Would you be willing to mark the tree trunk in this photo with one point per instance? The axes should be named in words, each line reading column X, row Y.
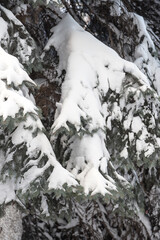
column 11, row 223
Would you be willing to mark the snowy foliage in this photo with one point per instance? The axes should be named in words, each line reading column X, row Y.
column 28, row 162
column 87, row 110
column 104, row 97
column 139, row 49
column 102, row 179
column 16, row 40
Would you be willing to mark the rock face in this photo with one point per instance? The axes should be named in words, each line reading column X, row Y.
column 11, row 223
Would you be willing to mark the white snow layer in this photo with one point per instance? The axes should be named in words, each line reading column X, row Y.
column 12, row 102
column 11, row 70
column 24, row 49
column 145, row 53
column 91, row 69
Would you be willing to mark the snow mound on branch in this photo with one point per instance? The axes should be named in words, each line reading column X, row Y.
column 12, row 76
column 92, row 69
column 90, row 66
column 143, row 51
column 15, row 39
column 11, row 70
column 145, row 54
column 24, row 136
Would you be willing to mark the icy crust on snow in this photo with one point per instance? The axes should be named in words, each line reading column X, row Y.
column 25, row 45
column 27, row 131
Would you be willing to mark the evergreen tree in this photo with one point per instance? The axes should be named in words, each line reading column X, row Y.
column 101, row 111
column 103, row 93
column 28, row 164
